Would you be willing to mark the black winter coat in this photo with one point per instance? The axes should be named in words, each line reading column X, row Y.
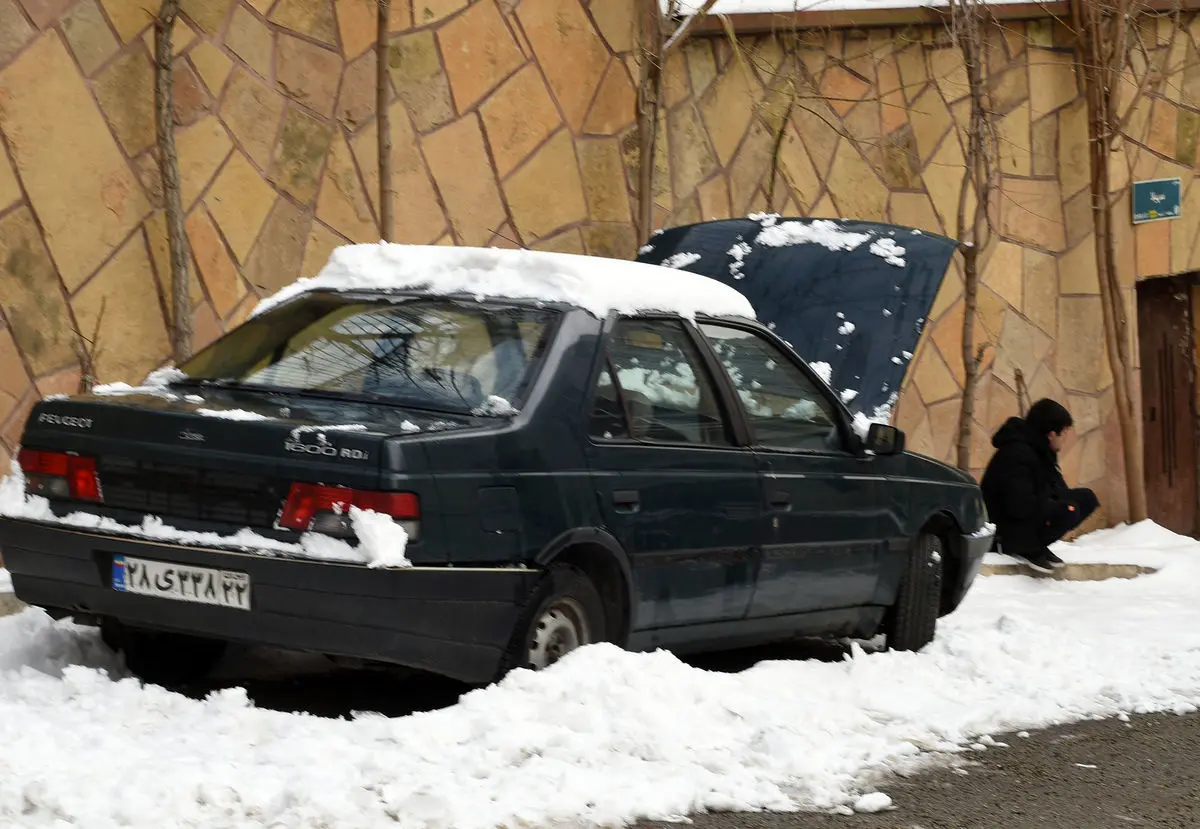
column 1023, row 486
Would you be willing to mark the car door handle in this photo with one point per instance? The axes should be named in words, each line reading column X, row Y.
column 781, row 500
column 627, row 500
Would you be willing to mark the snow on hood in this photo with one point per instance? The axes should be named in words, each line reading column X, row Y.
column 597, row 285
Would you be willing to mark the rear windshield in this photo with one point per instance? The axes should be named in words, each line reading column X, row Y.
column 435, row 354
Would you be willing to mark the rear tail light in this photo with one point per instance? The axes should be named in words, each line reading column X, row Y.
column 326, row 509
column 60, row 475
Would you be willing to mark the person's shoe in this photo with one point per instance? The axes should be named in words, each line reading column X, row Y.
column 1054, row 560
column 1042, row 561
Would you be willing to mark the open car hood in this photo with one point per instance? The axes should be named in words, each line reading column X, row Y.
column 853, row 295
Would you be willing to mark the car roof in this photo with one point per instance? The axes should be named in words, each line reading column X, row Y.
column 595, row 284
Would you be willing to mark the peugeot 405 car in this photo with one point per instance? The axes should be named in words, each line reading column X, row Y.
column 467, row 461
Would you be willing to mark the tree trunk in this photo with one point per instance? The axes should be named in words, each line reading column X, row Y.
column 650, row 89
column 383, row 123
column 1101, row 55
column 971, row 360
column 168, row 165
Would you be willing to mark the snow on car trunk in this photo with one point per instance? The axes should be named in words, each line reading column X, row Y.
column 603, row 736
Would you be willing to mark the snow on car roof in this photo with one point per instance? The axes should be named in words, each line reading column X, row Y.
column 595, row 284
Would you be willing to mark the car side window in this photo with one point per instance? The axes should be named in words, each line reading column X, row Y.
column 662, row 389
column 785, row 409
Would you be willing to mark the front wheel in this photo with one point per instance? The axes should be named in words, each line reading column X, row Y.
column 912, row 620
column 160, row 658
column 564, row 612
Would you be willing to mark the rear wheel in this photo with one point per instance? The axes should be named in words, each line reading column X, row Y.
column 160, row 658
column 912, row 620
column 564, row 612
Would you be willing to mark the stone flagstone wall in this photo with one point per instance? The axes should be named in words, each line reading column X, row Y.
column 513, row 123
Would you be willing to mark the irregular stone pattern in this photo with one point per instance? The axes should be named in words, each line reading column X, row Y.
column 514, row 122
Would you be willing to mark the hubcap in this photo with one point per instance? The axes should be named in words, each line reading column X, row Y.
column 560, row 629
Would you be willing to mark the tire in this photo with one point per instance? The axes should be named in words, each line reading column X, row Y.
column 564, row 612
column 168, row 659
column 912, row 620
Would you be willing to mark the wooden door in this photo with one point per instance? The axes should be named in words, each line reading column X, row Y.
column 1168, row 402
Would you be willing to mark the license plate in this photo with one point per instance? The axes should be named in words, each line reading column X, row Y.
column 204, row 585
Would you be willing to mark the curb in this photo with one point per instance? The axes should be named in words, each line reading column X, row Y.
column 1071, row 572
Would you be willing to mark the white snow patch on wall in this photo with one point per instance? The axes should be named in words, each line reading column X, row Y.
column 598, row 285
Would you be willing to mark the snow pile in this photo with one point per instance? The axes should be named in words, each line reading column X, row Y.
column 14, row 503
column 382, row 538
column 598, row 285
column 156, row 382
column 1144, row 543
column 5, row 581
column 680, row 260
column 604, row 736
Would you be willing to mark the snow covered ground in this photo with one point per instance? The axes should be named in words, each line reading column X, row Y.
column 604, row 736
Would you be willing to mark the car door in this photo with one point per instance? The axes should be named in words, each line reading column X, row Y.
column 674, row 488
column 823, row 503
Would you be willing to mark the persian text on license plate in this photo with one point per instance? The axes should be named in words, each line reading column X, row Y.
column 181, row 582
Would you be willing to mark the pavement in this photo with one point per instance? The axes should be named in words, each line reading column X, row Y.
column 1095, row 775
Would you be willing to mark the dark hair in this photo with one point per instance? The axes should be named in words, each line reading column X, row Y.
column 1046, row 416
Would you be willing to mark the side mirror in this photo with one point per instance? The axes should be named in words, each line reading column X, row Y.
column 884, row 440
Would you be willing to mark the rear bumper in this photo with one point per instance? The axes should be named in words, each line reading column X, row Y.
column 451, row 621
column 974, row 547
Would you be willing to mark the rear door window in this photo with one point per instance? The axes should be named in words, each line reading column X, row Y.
column 655, row 388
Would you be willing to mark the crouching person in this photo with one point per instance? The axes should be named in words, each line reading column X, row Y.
column 1023, row 487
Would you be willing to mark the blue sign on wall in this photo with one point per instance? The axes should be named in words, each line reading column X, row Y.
column 1156, row 200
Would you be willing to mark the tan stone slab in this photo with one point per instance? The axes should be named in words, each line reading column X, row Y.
column 209, row 15
column 133, row 335
column 75, row 178
column 603, row 175
column 459, row 163
column 309, row 74
column 701, row 63
column 1084, row 366
column 14, row 379
column 1052, row 81
column 1032, row 213
column 216, row 267
column 357, row 24
column 212, row 64
column 155, row 229
column 202, row 148
column 125, row 91
column 618, row 25
column 569, row 241
column 1074, row 571
column 205, row 326
column 693, row 157
column 252, row 111
column 356, row 99
column 933, row 379
column 615, row 106
column 45, row 13
column 341, row 202
column 714, row 198
column 1041, row 290
column 614, row 240
column 570, row 51
column 914, row 210
column 64, row 381
column 518, row 117
column 239, row 202
column 304, row 142
column 321, row 243
column 15, row 30
column 130, row 17
column 857, row 190
column 1153, row 249
column 1077, row 273
column 314, row 18
column 419, row 218
column 426, row 12
column 749, row 168
column 546, row 193
column 416, row 70
column 249, row 38
column 279, row 252
column 10, row 188
column 1014, row 138
column 88, row 35
column 728, row 108
column 478, row 52
column 1074, row 164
